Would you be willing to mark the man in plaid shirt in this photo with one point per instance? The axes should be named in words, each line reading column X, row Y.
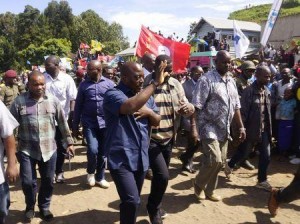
column 38, row 113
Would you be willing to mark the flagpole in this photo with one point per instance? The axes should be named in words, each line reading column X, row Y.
column 276, row 4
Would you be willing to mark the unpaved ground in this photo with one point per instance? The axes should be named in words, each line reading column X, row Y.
column 75, row 203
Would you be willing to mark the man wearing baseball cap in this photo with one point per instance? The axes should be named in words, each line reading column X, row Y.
column 11, row 89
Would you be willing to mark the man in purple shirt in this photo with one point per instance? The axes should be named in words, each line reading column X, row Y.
column 89, row 110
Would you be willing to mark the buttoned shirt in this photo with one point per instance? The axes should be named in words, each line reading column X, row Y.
column 127, row 138
column 64, row 88
column 216, row 99
column 36, row 135
column 7, row 125
column 89, row 103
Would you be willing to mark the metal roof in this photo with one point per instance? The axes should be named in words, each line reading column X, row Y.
column 127, row 52
column 219, row 23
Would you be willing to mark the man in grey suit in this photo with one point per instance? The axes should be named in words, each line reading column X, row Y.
column 187, row 157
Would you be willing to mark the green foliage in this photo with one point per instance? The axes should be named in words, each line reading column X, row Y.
column 35, row 54
column 260, row 13
column 32, row 34
column 7, row 55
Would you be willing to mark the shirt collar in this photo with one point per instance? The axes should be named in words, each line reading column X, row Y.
column 58, row 77
column 28, row 96
column 125, row 89
column 102, row 78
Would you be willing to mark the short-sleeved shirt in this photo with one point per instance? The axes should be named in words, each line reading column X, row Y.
column 127, row 139
column 7, row 125
column 64, row 88
column 36, row 134
column 216, row 99
column 89, row 103
column 286, row 109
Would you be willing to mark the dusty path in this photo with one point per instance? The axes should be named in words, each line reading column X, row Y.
column 75, row 203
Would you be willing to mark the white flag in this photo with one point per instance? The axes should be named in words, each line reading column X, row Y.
column 241, row 42
column 271, row 21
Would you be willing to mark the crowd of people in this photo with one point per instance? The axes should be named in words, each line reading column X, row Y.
column 130, row 117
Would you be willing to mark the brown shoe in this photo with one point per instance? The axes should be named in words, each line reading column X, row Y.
column 273, row 204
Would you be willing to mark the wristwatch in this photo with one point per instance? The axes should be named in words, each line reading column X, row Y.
column 156, row 84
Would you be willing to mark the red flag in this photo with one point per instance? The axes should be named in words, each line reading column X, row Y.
column 155, row 44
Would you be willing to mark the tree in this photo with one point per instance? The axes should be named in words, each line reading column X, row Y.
column 7, row 55
column 192, row 26
column 60, row 18
column 31, row 28
column 7, row 25
column 35, row 54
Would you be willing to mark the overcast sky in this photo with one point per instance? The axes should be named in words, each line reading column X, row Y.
column 167, row 16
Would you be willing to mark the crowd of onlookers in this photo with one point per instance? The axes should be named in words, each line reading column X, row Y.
column 92, row 79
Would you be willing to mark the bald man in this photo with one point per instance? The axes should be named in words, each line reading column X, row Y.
column 63, row 87
column 148, row 61
column 130, row 112
column 217, row 103
column 256, row 115
column 89, row 111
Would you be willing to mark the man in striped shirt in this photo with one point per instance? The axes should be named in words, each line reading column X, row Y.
column 172, row 103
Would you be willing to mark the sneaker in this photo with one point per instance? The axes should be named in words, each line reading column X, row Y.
column 273, row 204
column 90, row 180
column 214, row 197
column 228, row 171
column 29, row 215
column 5, row 159
column 163, row 213
column 295, row 161
column 264, row 185
column 103, row 184
column 46, row 215
column 60, row 178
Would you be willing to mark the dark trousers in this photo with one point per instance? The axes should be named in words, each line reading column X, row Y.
column 4, row 201
column 61, row 152
column 246, row 148
column 129, row 185
column 159, row 158
column 191, row 149
column 95, row 139
column 291, row 192
column 29, row 180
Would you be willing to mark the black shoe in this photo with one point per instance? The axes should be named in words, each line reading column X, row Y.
column 155, row 218
column 46, row 215
column 29, row 215
column 188, row 166
column 247, row 165
column 149, row 174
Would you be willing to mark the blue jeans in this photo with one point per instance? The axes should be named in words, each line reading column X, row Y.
column 129, row 185
column 29, row 180
column 96, row 156
column 4, row 201
column 159, row 158
column 244, row 149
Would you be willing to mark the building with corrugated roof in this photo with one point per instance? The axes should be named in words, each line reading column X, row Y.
column 223, row 28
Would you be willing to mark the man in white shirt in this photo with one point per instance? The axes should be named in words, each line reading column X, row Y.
column 7, row 125
column 63, row 87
